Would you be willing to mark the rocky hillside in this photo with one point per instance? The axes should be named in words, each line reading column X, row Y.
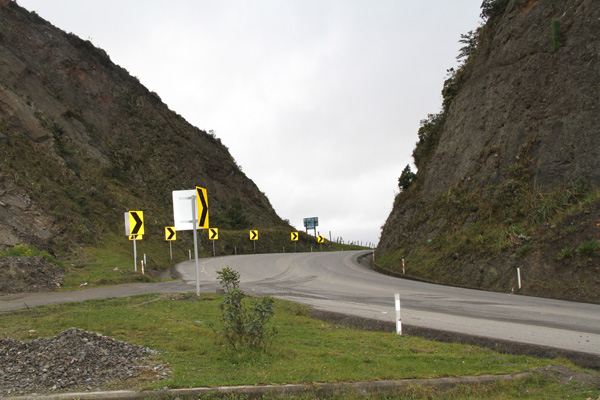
column 82, row 141
column 509, row 171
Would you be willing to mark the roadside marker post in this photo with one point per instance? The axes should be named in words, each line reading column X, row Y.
column 519, row 276
column 294, row 237
column 403, row 270
column 398, row 317
column 135, row 238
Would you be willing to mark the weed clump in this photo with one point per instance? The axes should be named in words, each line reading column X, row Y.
column 243, row 327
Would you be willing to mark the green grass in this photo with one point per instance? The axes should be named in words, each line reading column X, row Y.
column 108, row 264
column 304, row 350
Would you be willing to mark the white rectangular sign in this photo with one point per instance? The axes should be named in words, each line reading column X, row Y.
column 183, row 201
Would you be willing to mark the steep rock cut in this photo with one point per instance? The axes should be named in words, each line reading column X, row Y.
column 512, row 180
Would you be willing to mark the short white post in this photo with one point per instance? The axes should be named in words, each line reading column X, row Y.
column 143, row 262
column 190, row 251
column 398, row 318
column 403, row 270
column 519, row 276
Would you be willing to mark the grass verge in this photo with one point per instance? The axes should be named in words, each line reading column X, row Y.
column 305, row 350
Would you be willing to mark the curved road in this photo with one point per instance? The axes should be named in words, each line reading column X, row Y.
column 337, row 282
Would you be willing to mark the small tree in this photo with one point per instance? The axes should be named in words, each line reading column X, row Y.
column 470, row 40
column 243, row 327
column 491, row 9
column 406, row 178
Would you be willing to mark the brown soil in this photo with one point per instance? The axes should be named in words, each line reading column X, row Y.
column 28, row 274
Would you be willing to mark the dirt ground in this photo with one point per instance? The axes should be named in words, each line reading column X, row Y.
column 28, row 274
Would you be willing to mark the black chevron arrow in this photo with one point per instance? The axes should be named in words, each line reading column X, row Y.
column 171, row 233
column 294, row 236
column 204, row 213
column 254, row 234
column 138, row 223
column 213, row 233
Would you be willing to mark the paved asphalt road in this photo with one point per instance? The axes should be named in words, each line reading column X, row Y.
column 336, row 282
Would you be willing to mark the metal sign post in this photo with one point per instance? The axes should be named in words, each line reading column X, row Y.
column 183, row 210
column 134, row 255
column 194, row 220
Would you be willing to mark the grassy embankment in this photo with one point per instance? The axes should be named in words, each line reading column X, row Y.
column 303, row 350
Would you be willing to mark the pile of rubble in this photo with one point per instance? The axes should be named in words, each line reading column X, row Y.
column 75, row 360
column 28, row 274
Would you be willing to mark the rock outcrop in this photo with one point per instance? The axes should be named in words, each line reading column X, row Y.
column 509, row 172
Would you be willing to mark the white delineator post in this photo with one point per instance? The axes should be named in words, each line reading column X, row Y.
column 398, row 318
column 519, row 276
column 403, row 270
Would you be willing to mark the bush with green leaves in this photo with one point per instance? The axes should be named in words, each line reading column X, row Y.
column 407, row 177
column 244, row 327
column 25, row 250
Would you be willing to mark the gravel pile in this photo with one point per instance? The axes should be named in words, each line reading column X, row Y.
column 75, row 360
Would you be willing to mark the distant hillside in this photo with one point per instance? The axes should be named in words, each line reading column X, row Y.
column 509, row 171
column 82, row 141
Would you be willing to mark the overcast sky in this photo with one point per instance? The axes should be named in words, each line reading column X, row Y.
column 319, row 101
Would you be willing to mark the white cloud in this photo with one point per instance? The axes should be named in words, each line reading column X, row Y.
column 318, row 100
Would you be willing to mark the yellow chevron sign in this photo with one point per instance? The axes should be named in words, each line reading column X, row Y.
column 213, row 234
column 321, row 239
column 294, row 236
column 202, row 203
column 254, row 235
column 134, row 223
column 170, row 233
